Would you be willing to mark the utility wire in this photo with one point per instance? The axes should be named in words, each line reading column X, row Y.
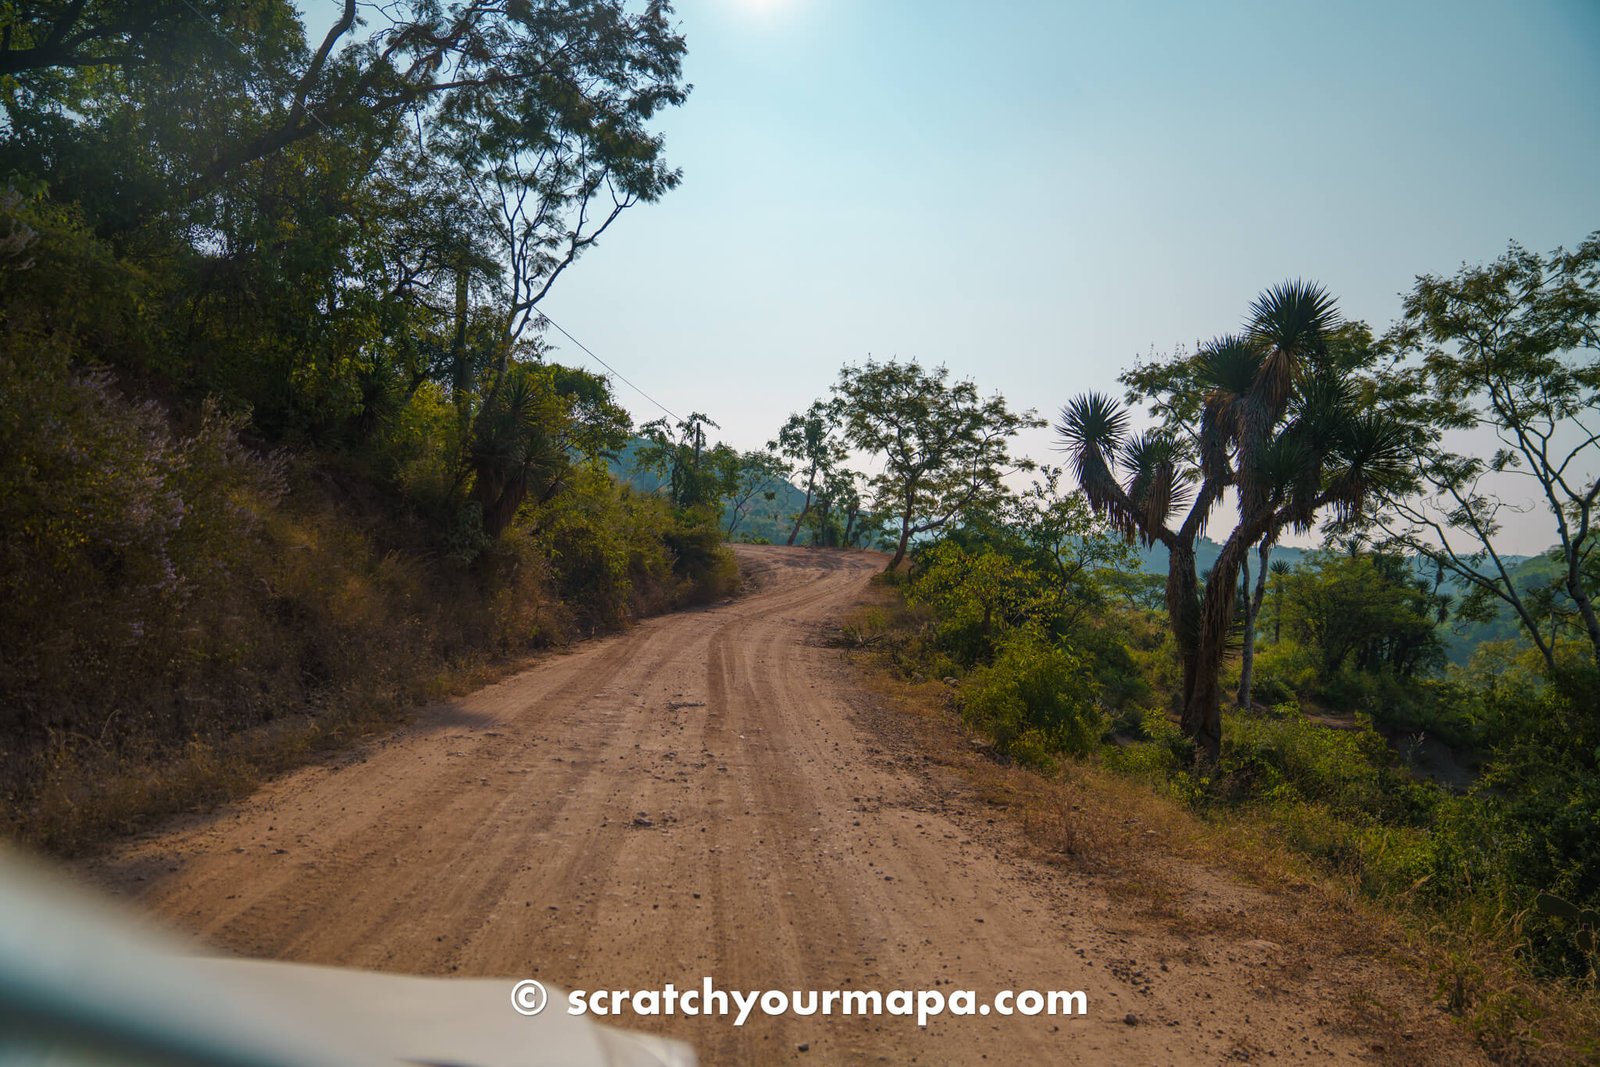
column 609, row 367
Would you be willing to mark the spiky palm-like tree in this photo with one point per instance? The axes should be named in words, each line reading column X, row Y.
column 1279, row 569
column 1252, row 611
column 1266, row 413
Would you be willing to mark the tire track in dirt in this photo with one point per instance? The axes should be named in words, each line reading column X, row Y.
column 705, row 796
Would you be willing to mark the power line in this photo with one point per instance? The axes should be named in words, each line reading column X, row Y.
column 609, row 367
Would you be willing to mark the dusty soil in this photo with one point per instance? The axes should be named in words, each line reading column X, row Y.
column 716, row 793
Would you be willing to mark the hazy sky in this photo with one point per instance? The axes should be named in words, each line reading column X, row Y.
column 1036, row 193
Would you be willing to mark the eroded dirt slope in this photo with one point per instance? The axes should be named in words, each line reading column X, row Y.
column 711, row 794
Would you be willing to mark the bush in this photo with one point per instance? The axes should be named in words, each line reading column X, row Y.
column 1032, row 701
column 1531, row 824
column 167, row 593
column 125, row 548
column 1157, row 752
column 1283, row 756
column 976, row 597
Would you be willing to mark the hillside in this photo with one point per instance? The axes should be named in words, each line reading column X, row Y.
column 763, row 520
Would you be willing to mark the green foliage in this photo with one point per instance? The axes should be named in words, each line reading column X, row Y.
column 1362, row 609
column 759, row 477
column 530, row 431
column 944, row 448
column 977, row 597
column 1284, row 756
column 1509, row 346
column 808, row 442
column 696, row 473
column 1155, row 751
column 1287, row 422
column 316, row 235
column 1033, row 701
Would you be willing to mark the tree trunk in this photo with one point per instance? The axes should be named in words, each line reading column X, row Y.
column 820, row 537
column 1203, row 709
column 1252, row 610
column 900, row 549
column 1183, row 614
column 499, row 497
column 800, row 518
column 1580, row 597
column 1203, row 714
column 460, row 365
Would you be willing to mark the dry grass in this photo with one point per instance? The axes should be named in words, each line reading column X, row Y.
column 1419, row 987
column 328, row 639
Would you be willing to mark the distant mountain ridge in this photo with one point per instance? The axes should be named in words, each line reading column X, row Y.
column 771, row 520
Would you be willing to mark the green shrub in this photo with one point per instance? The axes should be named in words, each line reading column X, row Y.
column 1156, row 752
column 1283, row 756
column 1033, row 701
column 976, row 598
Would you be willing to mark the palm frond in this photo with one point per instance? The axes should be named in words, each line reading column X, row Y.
column 1092, row 419
column 1285, row 463
column 1375, row 452
column 1229, row 364
column 1227, row 367
column 1091, row 427
column 1156, row 486
column 1294, row 315
column 1322, row 408
column 1290, row 321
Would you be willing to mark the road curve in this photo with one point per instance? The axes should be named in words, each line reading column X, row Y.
column 702, row 795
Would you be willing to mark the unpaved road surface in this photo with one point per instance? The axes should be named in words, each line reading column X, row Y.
column 711, row 794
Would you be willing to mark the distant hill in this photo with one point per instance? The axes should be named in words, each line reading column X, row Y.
column 1460, row 640
column 1527, row 573
column 769, row 520
column 1153, row 560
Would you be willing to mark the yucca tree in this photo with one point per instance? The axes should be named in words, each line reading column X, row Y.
column 1275, row 413
column 1279, row 570
column 1252, row 611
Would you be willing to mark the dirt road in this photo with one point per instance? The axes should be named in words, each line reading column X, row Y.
column 711, row 794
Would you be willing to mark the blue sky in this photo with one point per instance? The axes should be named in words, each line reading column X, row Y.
column 1037, row 193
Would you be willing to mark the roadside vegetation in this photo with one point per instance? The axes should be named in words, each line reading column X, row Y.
column 283, row 450
column 280, row 445
column 1314, row 704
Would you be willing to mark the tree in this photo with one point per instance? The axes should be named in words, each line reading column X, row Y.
column 336, row 224
column 698, row 474
column 1279, row 570
column 535, row 71
column 1510, row 348
column 757, row 474
column 1065, row 543
column 945, row 449
column 833, row 514
column 843, row 491
column 1363, row 609
column 1252, row 611
column 809, row 441
column 528, row 437
column 1284, row 415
